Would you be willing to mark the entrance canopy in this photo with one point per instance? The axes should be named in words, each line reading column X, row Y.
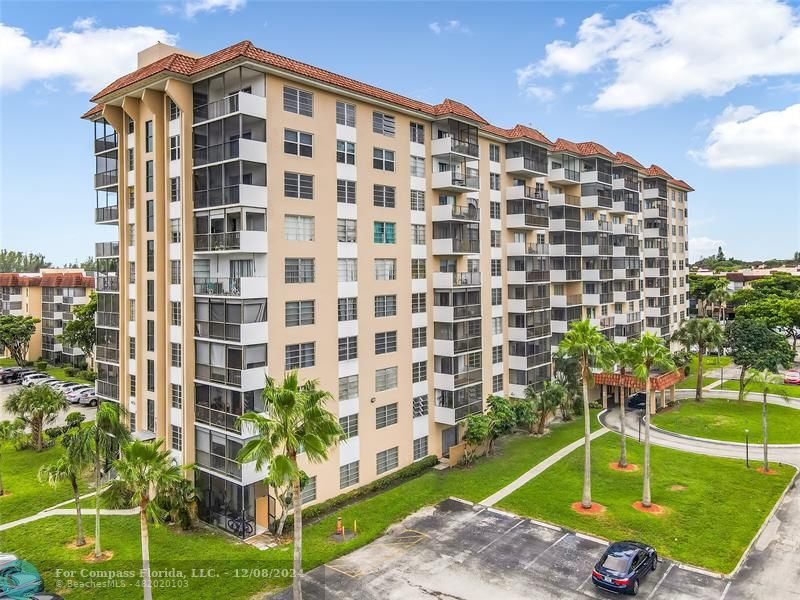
column 658, row 382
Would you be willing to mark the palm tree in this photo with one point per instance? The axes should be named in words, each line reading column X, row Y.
column 650, row 352
column 719, row 298
column 543, row 403
column 767, row 381
column 703, row 333
column 37, row 406
column 585, row 342
column 295, row 420
column 626, row 359
column 9, row 432
column 144, row 470
column 103, row 439
column 567, row 372
column 70, row 466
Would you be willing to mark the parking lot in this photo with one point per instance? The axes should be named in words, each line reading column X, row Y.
column 7, row 389
column 460, row 551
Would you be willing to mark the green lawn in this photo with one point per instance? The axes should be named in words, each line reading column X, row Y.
column 43, row 542
column 691, row 382
column 57, row 372
column 26, row 496
column 711, row 362
column 792, row 391
column 710, row 518
column 721, row 419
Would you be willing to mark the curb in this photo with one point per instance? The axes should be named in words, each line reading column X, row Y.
column 721, row 442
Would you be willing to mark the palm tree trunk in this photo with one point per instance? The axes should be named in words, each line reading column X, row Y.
column 646, row 485
column 1, row 482
column 297, row 590
column 623, row 448
column 36, row 432
column 764, row 428
column 80, row 541
column 145, row 535
column 698, row 392
column 741, row 383
column 586, row 501
column 97, row 504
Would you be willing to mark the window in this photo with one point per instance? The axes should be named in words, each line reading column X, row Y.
column 131, row 200
column 131, row 272
column 419, row 371
column 132, row 421
column 174, row 111
column 177, row 437
column 420, row 447
column 383, row 159
column 349, row 425
column 345, row 191
column 298, row 185
column 131, row 309
column 309, row 491
column 419, row 405
column 497, row 354
column 497, row 296
column 386, row 460
column 419, row 337
column 494, row 181
column 497, row 267
column 148, row 176
column 386, row 305
column 151, row 375
column 175, row 352
column 383, row 232
column 151, row 295
column 383, row 123
column 385, row 269
column 345, row 114
column 131, row 158
column 497, row 383
column 130, row 126
column 383, row 195
column 298, row 143
column 132, row 384
column 299, row 270
column 494, row 210
column 418, row 269
column 175, row 189
column 132, row 347
column 176, row 313
column 298, row 101
column 346, row 230
column 348, row 348
column 497, row 325
column 386, row 416
column 299, row 312
column 148, row 136
column 176, row 395
column 385, row 379
column 175, row 147
column 347, row 269
column 150, row 222
column 494, row 239
column 417, row 133
column 418, row 302
column 385, row 342
column 300, row 356
column 299, row 228
column 348, row 387
column 417, row 166
column 418, row 234
column 348, row 475
column 417, row 200
column 151, row 415
column 175, row 230
column 175, row 271
column 494, row 153
column 345, row 152
column 348, row 309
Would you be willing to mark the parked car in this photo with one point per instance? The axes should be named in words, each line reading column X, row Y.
column 15, row 374
column 791, row 377
column 36, row 379
column 65, row 387
column 19, row 579
column 4, row 558
column 75, row 396
column 623, row 565
column 636, row 401
column 89, row 399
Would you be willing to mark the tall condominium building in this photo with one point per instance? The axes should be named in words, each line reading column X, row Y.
column 271, row 216
column 48, row 295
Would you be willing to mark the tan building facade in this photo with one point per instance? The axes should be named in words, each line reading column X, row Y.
column 413, row 258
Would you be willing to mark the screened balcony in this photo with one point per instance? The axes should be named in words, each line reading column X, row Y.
column 238, row 90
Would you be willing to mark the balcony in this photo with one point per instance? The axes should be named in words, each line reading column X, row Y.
column 655, row 232
column 106, row 250
column 533, row 332
column 565, row 301
column 625, row 183
column 107, row 389
column 603, row 322
column 595, row 226
column 625, row 206
column 625, row 229
column 107, row 319
column 236, row 287
column 656, row 271
column 456, row 280
column 242, row 194
column 456, row 346
column 523, row 363
column 455, row 212
column 522, row 305
column 107, row 283
column 449, row 411
column 241, row 378
column 239, row 149
column 596, row 201
column 451, row 246
column 564, row 275
column 445, row 381
column 526, row 213
column 456, row 181
column 652, row 192
column 449, row 314
column 523, row 277
column 563, row 175
column 595, row 177
column 451, row 145
column 655, row 292
column 525, row 249
column 106, row 354
column 240, row 102
column 564, row 200
column 105, row 143
column 105, row 179
column 597, row 250
column 653, row 252
column 655, row 212
column 106, row 215
column 526, row 167
column 232, row 241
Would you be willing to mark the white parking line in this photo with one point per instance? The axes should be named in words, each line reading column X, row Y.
column 585, row 581
column 546, row 525
column 590, row 538
column 700, row 571
column 520, row 522
column 660, row 581
column 725, row 591
column 544, row 551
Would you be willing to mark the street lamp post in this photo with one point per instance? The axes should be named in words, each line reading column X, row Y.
column 747, row 447
column 640, row 429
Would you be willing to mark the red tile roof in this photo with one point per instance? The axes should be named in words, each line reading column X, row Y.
column 628, row 160
column 76, row 280
column 97, row 108
column 656, row 171
column 680, row 183
column 452, row 107
column 593, row 149
column 563, row 145
column 657, row 382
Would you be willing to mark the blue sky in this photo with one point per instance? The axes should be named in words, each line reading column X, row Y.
column 709, row 91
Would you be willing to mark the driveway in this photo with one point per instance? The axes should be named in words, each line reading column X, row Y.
column 7, row 389
column 460, row 551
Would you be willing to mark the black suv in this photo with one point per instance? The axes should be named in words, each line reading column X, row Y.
column 623, row 565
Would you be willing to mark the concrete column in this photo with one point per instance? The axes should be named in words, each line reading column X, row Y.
column 603, row 395
column 672, row 393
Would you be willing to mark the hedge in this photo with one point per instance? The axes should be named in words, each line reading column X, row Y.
column 324, row 508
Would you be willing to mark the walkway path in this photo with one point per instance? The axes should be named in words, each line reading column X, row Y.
column 56, row 511
column 537, row 470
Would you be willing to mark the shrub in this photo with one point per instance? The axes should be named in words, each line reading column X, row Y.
column 87, row 375
column 40, row 365
column 55, row 432
column 75, row 418
column 323, row 508
column 70, row 371
column 83, row 366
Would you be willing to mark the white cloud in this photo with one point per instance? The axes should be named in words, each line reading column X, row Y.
column 193, row 7
column 670, row 52
column 541, row 93
column 560, row 21
column 452, row 26
column 88, row 56
column 743, row 137
column 703, row 246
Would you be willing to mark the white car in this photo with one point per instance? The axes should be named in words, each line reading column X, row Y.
column 36, row 379
column 68, row 386
column 74, row 397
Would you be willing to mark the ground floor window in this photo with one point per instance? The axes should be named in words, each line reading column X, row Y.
column 225, row 504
